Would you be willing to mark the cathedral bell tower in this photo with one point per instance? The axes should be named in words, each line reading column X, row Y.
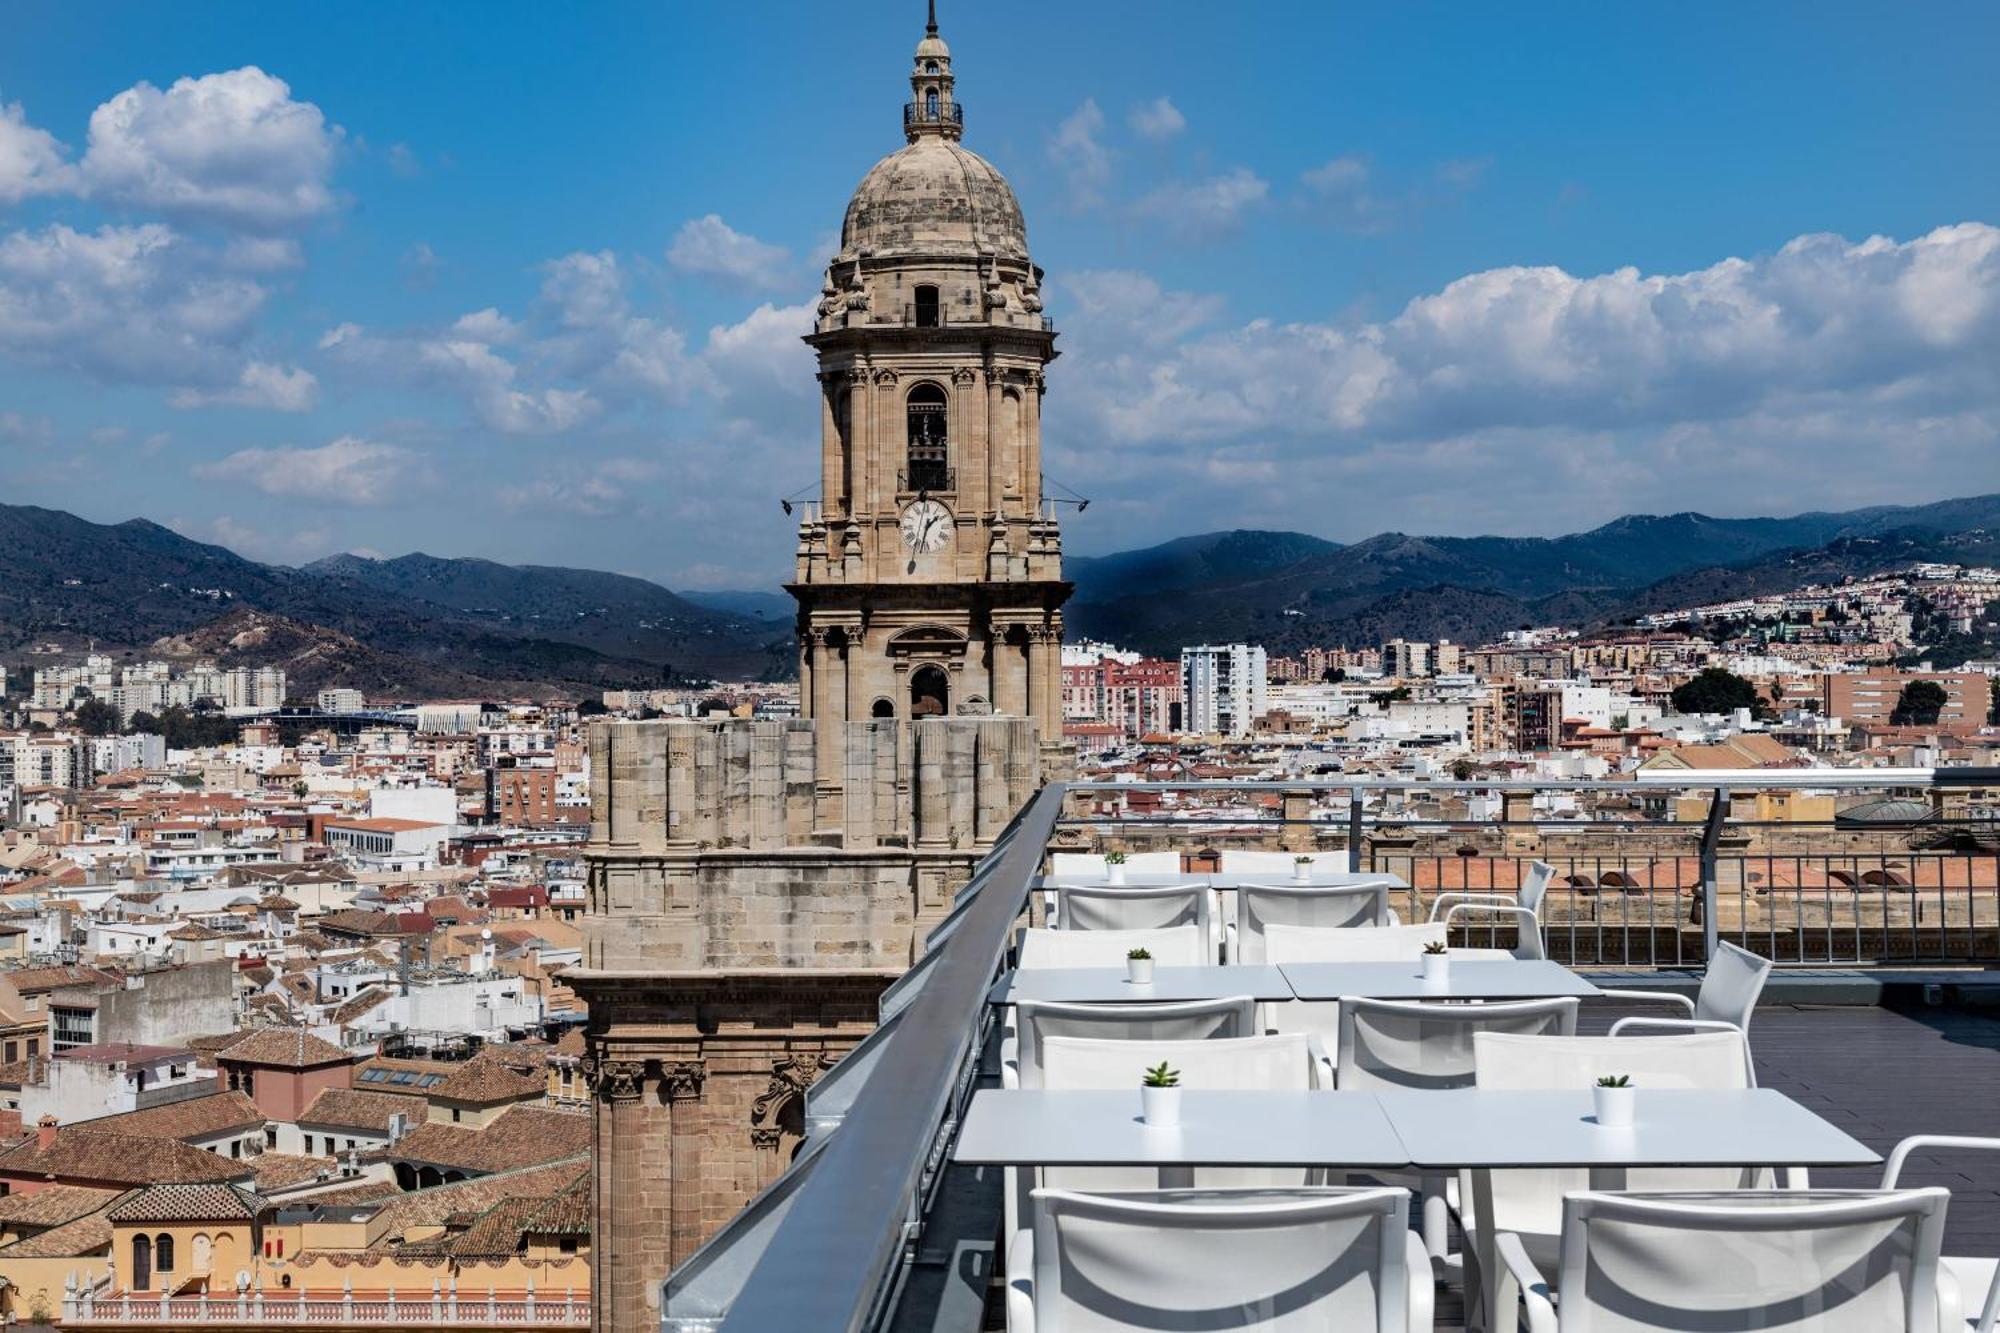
column 929, row 574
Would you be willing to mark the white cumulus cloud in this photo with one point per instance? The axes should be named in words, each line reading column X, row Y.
column 711, row 247
column 1158, row 120
column 260, row 385
column 348, row 470
column 232, row 148
column 1213, row 206
column 31, row 161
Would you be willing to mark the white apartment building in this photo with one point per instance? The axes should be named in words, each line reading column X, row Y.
column 253, row 689
column 341, row 701
column 1222, row 687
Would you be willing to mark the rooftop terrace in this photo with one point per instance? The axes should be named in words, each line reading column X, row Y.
column 1875, row 1020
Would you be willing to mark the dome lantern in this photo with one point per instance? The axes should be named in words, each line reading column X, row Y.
column 931, row 109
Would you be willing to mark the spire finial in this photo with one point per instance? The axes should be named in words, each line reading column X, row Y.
column 930, row 28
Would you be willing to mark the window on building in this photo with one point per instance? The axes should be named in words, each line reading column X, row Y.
column 236, row 1148
column 13, row 1051
column 927, row 307
column 270, row 1137
column 163, row 1252
column 928, row 447
column 454, row 1115
column 931, row 104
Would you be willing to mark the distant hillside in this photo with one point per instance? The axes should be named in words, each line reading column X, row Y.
column 777, row 606
column 123, row 586
column 1470, row 588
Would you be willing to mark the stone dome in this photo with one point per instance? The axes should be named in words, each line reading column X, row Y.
column 934, row 198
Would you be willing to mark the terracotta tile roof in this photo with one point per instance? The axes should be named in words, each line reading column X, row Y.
column 351, row 1108
column 195, row 1118
column 429, row 1208
column 186, row 1203
column 520, row 1136
column 87, row 1235
column 365, row 1191
column 504, row 1228
column 33, row 980
column 281, row 1170
column 53, row 1206
column 371, row 998
column 82, row 1153
column 284, row 1048
column 487, row 1083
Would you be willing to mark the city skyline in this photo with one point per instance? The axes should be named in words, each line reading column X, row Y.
column 546, row 309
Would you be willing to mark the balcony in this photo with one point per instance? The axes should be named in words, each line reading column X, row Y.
column 915, row 113
column 1869, row 1024
column 258, row 1309
column 922, row 476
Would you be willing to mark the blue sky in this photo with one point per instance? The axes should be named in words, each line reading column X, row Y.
column 525, row 281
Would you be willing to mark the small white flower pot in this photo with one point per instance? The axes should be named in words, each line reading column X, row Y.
column 1160, row 1107
column 1139, row 971
column 1114, row 873
column 1614, row 1107
column 1437, row 969
column 1302, row 872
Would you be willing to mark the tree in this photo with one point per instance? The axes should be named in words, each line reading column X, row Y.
column 1333, row 675
column 94, row 717
column 1461, row 770
column 1919, row 704
column 591, row 708
column 1717, row 690
column 1993, row 709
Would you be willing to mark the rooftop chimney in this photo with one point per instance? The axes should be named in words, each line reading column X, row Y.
column 45, row 1133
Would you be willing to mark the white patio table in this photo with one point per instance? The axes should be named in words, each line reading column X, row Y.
column 1219, row 1127
column 1487, row 1130
column 1467, row 978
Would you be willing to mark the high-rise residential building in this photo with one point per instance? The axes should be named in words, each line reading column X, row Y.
column 253, row 689
column 1222, row 687
column 929, row 573
column 1404, row 658
column 341, row 701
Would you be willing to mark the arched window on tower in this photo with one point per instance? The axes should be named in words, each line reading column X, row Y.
column 931, row 104
column 926, row 468
column 930, row 692
column 927, row 307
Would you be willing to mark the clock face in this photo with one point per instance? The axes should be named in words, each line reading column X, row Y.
column 926, row 527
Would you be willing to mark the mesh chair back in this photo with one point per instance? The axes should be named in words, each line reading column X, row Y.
column 1535, row 885
column 1332, row 944
column 1195, row 1260
column 1730, row 987
column 1197, row 1020
column 1242, row 1062
column 1826, row 1260
column 1531, row 1201
column 1132, row 909
column 1171, row 946
column 1409, row 1044
column 1281, row 1061
column 1261, row 905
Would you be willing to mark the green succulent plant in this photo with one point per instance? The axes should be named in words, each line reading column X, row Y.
column 1615, row 1081
column 1159, row 1076
column 1435, row 948
column 1140, row 955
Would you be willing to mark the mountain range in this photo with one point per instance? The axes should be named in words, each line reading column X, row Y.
column 420, row 626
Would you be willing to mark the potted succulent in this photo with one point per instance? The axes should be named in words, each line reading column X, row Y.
column 1302, row 869
column 1160, row 1096
column 1139, row 967
column 1114, row 867
column 1436, row 963
column 1612, row 1098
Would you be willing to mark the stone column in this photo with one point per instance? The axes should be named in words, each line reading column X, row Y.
column 1039, row 707
column 622, row 741
column 680, row 1086
column 618, row 1268
column 933, row 809
column 996, row 443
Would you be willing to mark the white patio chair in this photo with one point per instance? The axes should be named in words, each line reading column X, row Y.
column 1828, row 1261
column 1035, row 1022
column 1976, row 1278
column 1727, row 999
column 1193, row 1020
column 1365, row 903
column 1413, row 1044
column 1524, row 905
column 1528, row 1204
column 1148, row 908
column 1171, row 946
column 1196, row 1260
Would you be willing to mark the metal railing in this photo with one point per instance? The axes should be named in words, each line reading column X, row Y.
column 926, row 477
column 270, row 1310
column 916, row 113
column 827, row 1244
